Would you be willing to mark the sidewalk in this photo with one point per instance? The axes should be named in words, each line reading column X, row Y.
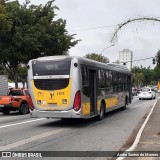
column 150, row 138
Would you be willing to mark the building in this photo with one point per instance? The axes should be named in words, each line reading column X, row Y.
column 125, row 57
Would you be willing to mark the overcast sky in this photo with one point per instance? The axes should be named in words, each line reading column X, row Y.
column 141, row 38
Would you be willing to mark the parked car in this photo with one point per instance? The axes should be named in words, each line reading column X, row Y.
column 138, row 91
column 155, row 89
column 17, row 99
column 147, row 93
column 134, row 92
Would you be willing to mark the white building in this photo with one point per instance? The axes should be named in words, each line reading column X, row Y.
column 126, row 56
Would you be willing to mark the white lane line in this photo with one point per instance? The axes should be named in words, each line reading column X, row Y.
column 14, row 124
column 8, row 117
column 140, row 105
column 31, row 139
column 135, row 143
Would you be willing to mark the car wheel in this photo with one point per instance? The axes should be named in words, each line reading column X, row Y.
column 24, row 108
column 5, row 110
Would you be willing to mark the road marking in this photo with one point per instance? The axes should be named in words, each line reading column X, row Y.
column 141, row 104
column 14, row 124
column 136, row 141
column 8, row 117
column 30, row 139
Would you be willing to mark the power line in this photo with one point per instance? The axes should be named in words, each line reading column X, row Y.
column 87, row 29
column 142, row 59
column 106, row 48
column 139, row 59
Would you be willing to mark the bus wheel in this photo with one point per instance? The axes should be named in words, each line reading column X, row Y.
column 5, row 110
column 24, row 108
column 102, row 112
column 125, row 106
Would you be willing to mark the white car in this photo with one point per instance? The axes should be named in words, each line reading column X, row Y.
column 147, row 93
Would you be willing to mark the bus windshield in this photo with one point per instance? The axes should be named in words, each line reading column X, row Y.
column 44, row 68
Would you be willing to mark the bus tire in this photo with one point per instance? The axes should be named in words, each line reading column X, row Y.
column 102, row 112
column 24, row 108
column 5, row 111
column 126, row 103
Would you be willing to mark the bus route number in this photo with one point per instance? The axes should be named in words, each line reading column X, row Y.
column 60, row 93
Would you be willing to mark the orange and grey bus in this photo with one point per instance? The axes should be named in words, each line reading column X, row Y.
column 76, row 87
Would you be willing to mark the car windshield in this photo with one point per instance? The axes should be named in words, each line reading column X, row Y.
column 145, row 89
column 16, row 93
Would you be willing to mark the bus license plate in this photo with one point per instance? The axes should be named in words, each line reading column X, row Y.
column 52, row 104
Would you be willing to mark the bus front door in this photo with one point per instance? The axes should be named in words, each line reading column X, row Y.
column 93, row 91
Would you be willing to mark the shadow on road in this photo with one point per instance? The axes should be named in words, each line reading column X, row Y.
column 77, row 123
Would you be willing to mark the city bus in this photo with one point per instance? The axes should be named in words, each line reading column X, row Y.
column 77, row 87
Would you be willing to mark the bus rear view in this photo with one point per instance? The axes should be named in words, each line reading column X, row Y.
column 52, row 88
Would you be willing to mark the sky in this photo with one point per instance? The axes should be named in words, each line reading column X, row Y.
column 142, row 38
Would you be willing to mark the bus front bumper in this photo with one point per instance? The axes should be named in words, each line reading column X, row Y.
column 55, row 114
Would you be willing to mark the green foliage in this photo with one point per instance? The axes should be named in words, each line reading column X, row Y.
column 139, row 79
column 22, row 72
column 33, row 33
column 157, row 72
column 97, row 57
column 5, row 23
column 2, row 70
column 145, row 76
column 158, row 58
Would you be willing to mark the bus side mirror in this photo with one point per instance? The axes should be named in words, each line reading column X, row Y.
column 28, row 67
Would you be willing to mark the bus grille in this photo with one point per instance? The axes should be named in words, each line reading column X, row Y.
column 51, row 84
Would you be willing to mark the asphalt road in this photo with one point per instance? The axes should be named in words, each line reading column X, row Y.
column 22, row 133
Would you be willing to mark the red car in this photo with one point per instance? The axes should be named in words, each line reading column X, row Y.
column 17, row 99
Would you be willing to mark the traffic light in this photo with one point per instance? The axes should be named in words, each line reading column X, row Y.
column 154, row 61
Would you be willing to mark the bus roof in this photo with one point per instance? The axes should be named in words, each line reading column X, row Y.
column 83, row 60
column 109, row 66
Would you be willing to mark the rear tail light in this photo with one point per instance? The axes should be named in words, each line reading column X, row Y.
column 150, row 92
column 11, row 99
column 77, row 101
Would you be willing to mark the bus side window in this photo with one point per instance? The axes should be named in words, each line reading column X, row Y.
column 109, row 81
column 122, row 82
column 125, row 80
column 85, row 81
column 101, row 81
column 107, row 84
column 114, row 81
column 84, row 72
column 110, row 78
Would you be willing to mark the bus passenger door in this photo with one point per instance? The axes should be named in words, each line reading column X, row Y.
column 93, row 91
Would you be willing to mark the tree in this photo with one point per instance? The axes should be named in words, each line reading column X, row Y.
column 158, row 58
column 5, row 23
column 97, row 57
column 34, row 33
column 141, row 19
column 122, row 25
column 22, row 74
column 139, row 79
column 144, row 75
column 157, row 72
